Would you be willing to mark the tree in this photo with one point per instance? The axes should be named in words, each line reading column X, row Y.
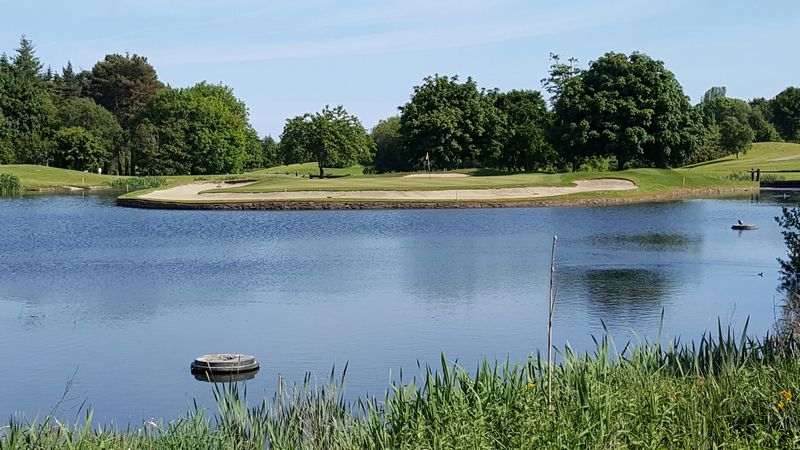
column 70, row 84
column 332, row 138
column 26, row 107
column 85, row 113
column 200, row 130
column 789, row 220
column 558, row 76
column 735, row 137
column 524, row 144
column 761, row 121
column 390, row 154
column 269, row 148
column 78, row 149
column 452, row 122
column 714, row 92
column 629, row 107
column 123, row 84
column 786, row 113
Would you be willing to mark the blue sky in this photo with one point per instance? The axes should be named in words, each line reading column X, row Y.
column 290, row 57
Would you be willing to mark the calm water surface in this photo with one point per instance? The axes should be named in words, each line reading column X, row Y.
column 120, row 300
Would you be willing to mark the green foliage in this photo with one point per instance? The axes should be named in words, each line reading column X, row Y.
column 10, row 185
column 27, row 111
column 559, row 75
column 123, row 84
column 390, row 153
column 736, row 137
column 138, row 183
column 452, row 122
column 332, row 138
column 629, row 107
column 199, row 130
column 85, row 113
column 785, row 109
column 78, row 149
column 271, row 152
column 524, row 144
column 713, row 93
column 789, row 220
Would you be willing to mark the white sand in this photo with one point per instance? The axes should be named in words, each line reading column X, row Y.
column 193, row 192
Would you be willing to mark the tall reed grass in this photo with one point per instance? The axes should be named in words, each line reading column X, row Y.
column 725, row 391
column 137, row 183
column 10, row 185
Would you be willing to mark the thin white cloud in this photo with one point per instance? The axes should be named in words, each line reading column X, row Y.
column 474, row 23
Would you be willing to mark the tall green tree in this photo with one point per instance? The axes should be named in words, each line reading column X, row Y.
column 77, row 149
column 85, row 113
column 786, row 113
column 559, row 75
column 735, row 137
column 714, row 92
column 452, row 122
column 390, row 153
column 200, row 130
column 270, row 150
column 629, row 107
column 761, row 121
column 26, row 107
column 525, row 145
column 69, row 84
column 123, row 84
column 331, row 138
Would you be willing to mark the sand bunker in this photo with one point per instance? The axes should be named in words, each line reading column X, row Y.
column 194, row 192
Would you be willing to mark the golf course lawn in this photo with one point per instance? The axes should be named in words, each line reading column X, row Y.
column 721, row 173
column 763, row 155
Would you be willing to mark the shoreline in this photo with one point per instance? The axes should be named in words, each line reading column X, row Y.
column 355, row 204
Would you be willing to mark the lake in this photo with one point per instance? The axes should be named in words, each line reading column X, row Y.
column 119, row 301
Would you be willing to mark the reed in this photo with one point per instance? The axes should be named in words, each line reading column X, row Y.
column 10, row 185
column 726, row 390
column 137, row 183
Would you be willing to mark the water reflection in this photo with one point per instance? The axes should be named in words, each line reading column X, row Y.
column 651, row 241
column 85, row 284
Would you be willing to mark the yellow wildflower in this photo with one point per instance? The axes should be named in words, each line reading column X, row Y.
column 787, row 395
column 780, row 405
column 531, row 386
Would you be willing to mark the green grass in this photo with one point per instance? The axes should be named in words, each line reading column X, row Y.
column 763, row 155
column 40, row 177
column 649, row 181
column 10, row 185
column 725, row 391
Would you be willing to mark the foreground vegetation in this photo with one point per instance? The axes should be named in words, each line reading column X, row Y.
column 725, row 391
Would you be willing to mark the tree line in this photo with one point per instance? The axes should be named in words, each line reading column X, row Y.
column 621, row 111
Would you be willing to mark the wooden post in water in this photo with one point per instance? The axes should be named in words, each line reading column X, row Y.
column 552, row 302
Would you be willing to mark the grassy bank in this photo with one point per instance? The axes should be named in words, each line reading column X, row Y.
column 40, row 177
column 721, row 392
column 763, row 155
